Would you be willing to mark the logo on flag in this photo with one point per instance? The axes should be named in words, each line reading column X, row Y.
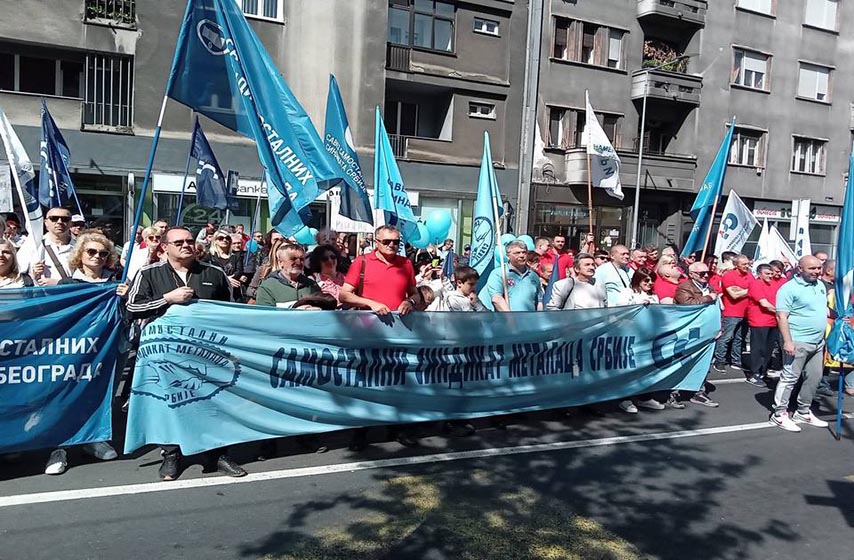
column 212, row 37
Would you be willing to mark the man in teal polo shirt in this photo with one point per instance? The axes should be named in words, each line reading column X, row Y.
column 802, row 318
column 524, row 289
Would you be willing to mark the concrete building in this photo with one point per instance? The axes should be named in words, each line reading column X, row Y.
column 771, row 64
column 443, row 72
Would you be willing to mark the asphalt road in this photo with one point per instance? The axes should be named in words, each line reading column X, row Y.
column 698, row 483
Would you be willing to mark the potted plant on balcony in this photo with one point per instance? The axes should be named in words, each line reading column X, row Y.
column 656, row 53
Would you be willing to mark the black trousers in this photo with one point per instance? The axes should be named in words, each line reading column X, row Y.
column 761, row 341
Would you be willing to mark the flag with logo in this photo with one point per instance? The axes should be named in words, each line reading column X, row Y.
column 708, row 196
column 24, row 178
column 485, row 227
column 355, row 202
column 55, row 182
column 737, row 223
column 390, row 195
column 211, row 189
column 604, row 161
column 6, row 204
column 803, row 246
column 222, row 70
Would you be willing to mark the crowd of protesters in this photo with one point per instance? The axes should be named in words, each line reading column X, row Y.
column 774, row 317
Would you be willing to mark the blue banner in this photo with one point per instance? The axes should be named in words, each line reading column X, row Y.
column 55, row 160
column 211, row 190
column 355, row 202
column 212, row 374
column 222, row 70
column 58, row 351
column 707, row 196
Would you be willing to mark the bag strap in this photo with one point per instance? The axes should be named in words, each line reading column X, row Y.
column 49, row 250
column 361, row 285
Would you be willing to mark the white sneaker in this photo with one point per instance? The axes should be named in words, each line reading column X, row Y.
column 101, row 450
column 651, row 404
column 629, row 407
column 809, row 418
column 57, row 463
column 784, row 422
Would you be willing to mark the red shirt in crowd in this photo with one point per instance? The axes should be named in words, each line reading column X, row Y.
column 384, row 283
column 758, row 316
column 564, row 262
column 735, row 307
column 715, row 282
column 664, row 288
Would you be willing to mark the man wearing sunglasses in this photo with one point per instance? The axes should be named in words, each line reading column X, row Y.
column 178, row 280
column 49, row 264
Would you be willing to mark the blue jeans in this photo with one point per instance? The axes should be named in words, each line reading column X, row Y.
column 735, row 331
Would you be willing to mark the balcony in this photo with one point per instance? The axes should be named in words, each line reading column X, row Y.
column 398, row 145
column 661, row 171
column 398, row 57
column 668, row 12
column 672, row 87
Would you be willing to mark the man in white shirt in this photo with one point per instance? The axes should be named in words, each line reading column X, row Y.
column 615, row 276
column 49, row 264
column 580, row 292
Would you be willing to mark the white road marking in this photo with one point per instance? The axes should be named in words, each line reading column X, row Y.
column 146, row 488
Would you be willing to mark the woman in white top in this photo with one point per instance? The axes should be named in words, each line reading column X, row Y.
column 640, row 290
column 10, row 273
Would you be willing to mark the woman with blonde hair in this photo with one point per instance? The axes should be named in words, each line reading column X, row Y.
column 10, row 272
column 221, row 255
column 94, row 259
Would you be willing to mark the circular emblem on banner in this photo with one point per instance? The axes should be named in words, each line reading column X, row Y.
column 728, row 225
column 482, row 232
column 212, row 37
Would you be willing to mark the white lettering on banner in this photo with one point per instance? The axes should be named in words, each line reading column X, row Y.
column 48, row 346
column 286, row 154
column 55, row 373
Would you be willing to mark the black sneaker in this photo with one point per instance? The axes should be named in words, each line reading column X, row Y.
column 720, row 368
column 227, row 465
column 704, row 400
column 824, row 391
column 406, row 439
column 674, row 402
column 756, row 381
column 170, row 465
column 459, row 429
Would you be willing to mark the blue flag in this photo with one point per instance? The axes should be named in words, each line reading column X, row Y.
column 211, row 191
column 55, row 161
column 708, row 195
column 355, row 202
column 554, row 277
column 222, row 70
column 389, row 193
column 484, row 237
column 844, row 280
column 448, row 265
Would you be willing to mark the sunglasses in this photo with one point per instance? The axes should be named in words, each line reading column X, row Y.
column 181, row 242
column 388, row 241
column 96, row 253
column 704, row 273
column 603, row 258
column 223, row 238
column 63, row 219
column 153, row 237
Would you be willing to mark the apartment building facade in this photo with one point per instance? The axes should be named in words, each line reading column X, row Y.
column 697, row 64
column 442, row 73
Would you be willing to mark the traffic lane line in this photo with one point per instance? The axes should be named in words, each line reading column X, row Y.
column 208, row 482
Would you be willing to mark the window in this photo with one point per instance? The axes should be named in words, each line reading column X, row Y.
column 751, row 69
column 44, row 73
column 748, row 147
column 481, row 110
column 566, row 127
column 108, row 99
column 486, row 26
column 808, row 155
column 589, row 43
column 814, row 82
column 112, row 12
column 761, row 6
column 264, row 9
column 426, row 24
column 401, row 118
column 821, row 13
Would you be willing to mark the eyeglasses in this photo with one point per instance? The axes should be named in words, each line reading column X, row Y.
column 96, row 253
column 388, row 241
column 703, row 273
column 63, row 219
column 222, row 238
column 646, row 281
column 603, row 258
column 153, row 237
column 180, row 242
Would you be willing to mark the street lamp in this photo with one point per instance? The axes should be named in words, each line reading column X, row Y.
column 636, row 209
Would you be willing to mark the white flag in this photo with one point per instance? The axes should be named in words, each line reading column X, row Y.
column 23, row 176
column 541, row 161
column 5, row 189
column 802, row 229
column 780, row 247
column 737, row 224
column 604, row 161
column 762, row 253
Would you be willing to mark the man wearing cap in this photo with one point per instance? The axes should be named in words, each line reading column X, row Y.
column 465, row 258
column 13, row 232
column 78, row 224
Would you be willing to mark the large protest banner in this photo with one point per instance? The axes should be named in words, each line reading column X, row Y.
column 58, row 350
column 214, row 374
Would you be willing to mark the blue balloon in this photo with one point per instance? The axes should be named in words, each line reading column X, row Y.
column 507, row 238
column 423, row 239
column 304, row 236
column 500, row 255
column 439, row 224
column 528, row 241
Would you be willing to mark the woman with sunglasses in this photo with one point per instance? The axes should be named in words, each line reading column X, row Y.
column 10, row 272
column 145, row 253
column 231, row 262
column 324, row 269
column 640, row 290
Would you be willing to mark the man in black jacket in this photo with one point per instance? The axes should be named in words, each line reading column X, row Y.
column 177, row 280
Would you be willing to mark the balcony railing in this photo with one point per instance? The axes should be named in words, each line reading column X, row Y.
column 398, row 57
column 692, row 12
column 668, row 86
column 120, row 13
column 398, row 145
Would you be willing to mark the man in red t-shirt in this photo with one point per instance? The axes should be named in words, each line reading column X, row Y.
column 762, row 320
column 666, row 283
column 734, row 285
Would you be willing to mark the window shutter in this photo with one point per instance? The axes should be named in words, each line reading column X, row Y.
column 573, row 41
column 600, row 47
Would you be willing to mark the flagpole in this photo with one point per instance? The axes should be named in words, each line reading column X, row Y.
column 144, row 190
column 589, row 197
column 709, row 229
column 500, row 246
column 256, row 215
